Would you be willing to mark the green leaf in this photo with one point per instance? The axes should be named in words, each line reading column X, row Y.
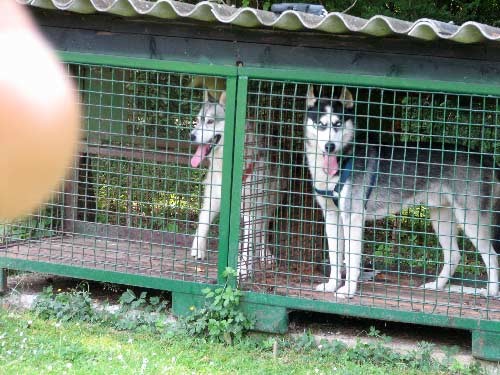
column 154, row 300
column 127, row 297
column 228, row 272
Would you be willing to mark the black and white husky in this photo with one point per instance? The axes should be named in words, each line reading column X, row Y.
column 355, row 183
column 260, row 186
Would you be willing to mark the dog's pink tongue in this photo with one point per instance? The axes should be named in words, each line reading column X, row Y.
column 199, row 155
column 330, row 164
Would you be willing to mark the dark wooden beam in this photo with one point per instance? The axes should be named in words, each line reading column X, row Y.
column 227, row 45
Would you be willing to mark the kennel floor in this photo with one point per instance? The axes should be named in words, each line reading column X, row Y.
column 173, row 261
column 385, row 291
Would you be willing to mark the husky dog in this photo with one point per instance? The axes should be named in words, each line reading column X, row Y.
column 260, row 186
column 359, row 182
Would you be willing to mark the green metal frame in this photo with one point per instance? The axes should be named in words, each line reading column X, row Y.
column 3, row 280
column 239, row 138
column 272, row 309
column 134, row 62
column 303, row 75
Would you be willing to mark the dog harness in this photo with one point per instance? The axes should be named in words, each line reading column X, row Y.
column 344, row 175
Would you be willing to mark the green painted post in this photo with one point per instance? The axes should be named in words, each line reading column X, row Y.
column 227, row 175
column 239, row 144
column 486, row 345
column 267, row 318
column 3, row 280
column 184, row 304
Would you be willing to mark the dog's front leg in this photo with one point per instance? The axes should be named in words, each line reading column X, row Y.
column 209, row 211
column 335, row 241
column 353, row 233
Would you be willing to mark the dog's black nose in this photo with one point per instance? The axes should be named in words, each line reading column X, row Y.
column 330, row 147
column 193, row 137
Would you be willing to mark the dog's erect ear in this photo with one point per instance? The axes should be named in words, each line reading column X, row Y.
column 311, row 99
column 346, row 98
column 213, row 85
column 222, row 98
column 207, row 96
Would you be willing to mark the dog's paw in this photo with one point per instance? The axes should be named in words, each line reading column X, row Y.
column 345, row 292
column 198, row 255
column 197, row 252
column 490, row 292
column 330, row 286
column 433, row 285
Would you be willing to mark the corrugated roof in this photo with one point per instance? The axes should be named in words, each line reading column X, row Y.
column 333, row 23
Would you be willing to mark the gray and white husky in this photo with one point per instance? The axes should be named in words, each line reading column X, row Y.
column 355, row 183
column 260, row 186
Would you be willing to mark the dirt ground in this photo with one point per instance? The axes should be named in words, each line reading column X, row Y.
column 24, row 287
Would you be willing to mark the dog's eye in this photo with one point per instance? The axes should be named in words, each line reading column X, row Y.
column 321, row 126
column 337, row 124
column 210, row 121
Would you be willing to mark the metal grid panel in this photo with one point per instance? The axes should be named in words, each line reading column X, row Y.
column 401, row 250
column 132, row 199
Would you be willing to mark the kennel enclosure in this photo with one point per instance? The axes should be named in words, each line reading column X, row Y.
column 128, row 210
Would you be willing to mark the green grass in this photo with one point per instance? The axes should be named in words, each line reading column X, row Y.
column 30, row 345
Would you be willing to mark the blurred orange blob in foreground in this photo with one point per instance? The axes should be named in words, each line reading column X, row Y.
column 39, row 116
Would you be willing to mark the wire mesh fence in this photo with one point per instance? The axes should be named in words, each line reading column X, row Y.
column 361, row 195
